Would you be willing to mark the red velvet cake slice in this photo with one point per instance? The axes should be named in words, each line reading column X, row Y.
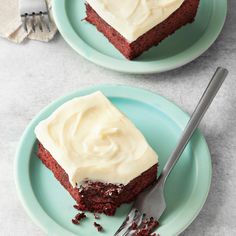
column 134, row 26
column 96, row 153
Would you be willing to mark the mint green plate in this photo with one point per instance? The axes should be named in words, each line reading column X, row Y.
column 185, row 45
column 162, row 123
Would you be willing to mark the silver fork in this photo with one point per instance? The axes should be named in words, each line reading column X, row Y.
column 35, row 13
column 151, row 203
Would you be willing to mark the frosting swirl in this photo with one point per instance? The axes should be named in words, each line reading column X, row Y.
column 91, row 139
column 133, row 18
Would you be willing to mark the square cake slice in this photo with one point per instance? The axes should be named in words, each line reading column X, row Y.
column 134, row 26
column 96, row 153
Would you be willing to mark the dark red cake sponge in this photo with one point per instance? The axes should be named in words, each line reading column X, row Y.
column 185, row 14
column 97, row 196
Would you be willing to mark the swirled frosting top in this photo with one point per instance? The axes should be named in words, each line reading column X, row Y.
column 91, row 139
column 133, row 18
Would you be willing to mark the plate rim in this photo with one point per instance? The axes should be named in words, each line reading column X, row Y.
column 215, row 25
column 22, row 178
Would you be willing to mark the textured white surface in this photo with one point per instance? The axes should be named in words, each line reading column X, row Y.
column 34, row 74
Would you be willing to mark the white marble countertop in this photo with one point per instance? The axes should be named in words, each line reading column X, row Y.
column 34, row 74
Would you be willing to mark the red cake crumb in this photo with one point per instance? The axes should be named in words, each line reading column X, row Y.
column 134, row 226
column 76, row 222
column 96, row 216
column 96, row 196
column 80, row 216
column 185, row 14
column 148, row 226
column 76, row 207
column 98, row 226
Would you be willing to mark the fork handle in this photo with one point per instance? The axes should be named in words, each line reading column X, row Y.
column 205, row 101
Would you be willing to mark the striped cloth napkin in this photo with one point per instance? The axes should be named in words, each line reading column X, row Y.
column 11, row 25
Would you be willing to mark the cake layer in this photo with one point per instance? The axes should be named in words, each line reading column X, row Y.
column 183, row 15
column 96, row 196
column 133, row 18
column 91, row 139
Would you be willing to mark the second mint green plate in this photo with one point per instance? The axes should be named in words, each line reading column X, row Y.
column 162, row 123
column 183, row 46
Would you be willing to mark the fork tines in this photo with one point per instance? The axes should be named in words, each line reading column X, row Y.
column 137, row 222
column 36, row 19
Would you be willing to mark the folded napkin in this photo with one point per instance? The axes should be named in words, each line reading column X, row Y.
column 11, row 25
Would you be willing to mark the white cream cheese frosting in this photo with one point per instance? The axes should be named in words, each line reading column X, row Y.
column 133, row 18
column 91, row 139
